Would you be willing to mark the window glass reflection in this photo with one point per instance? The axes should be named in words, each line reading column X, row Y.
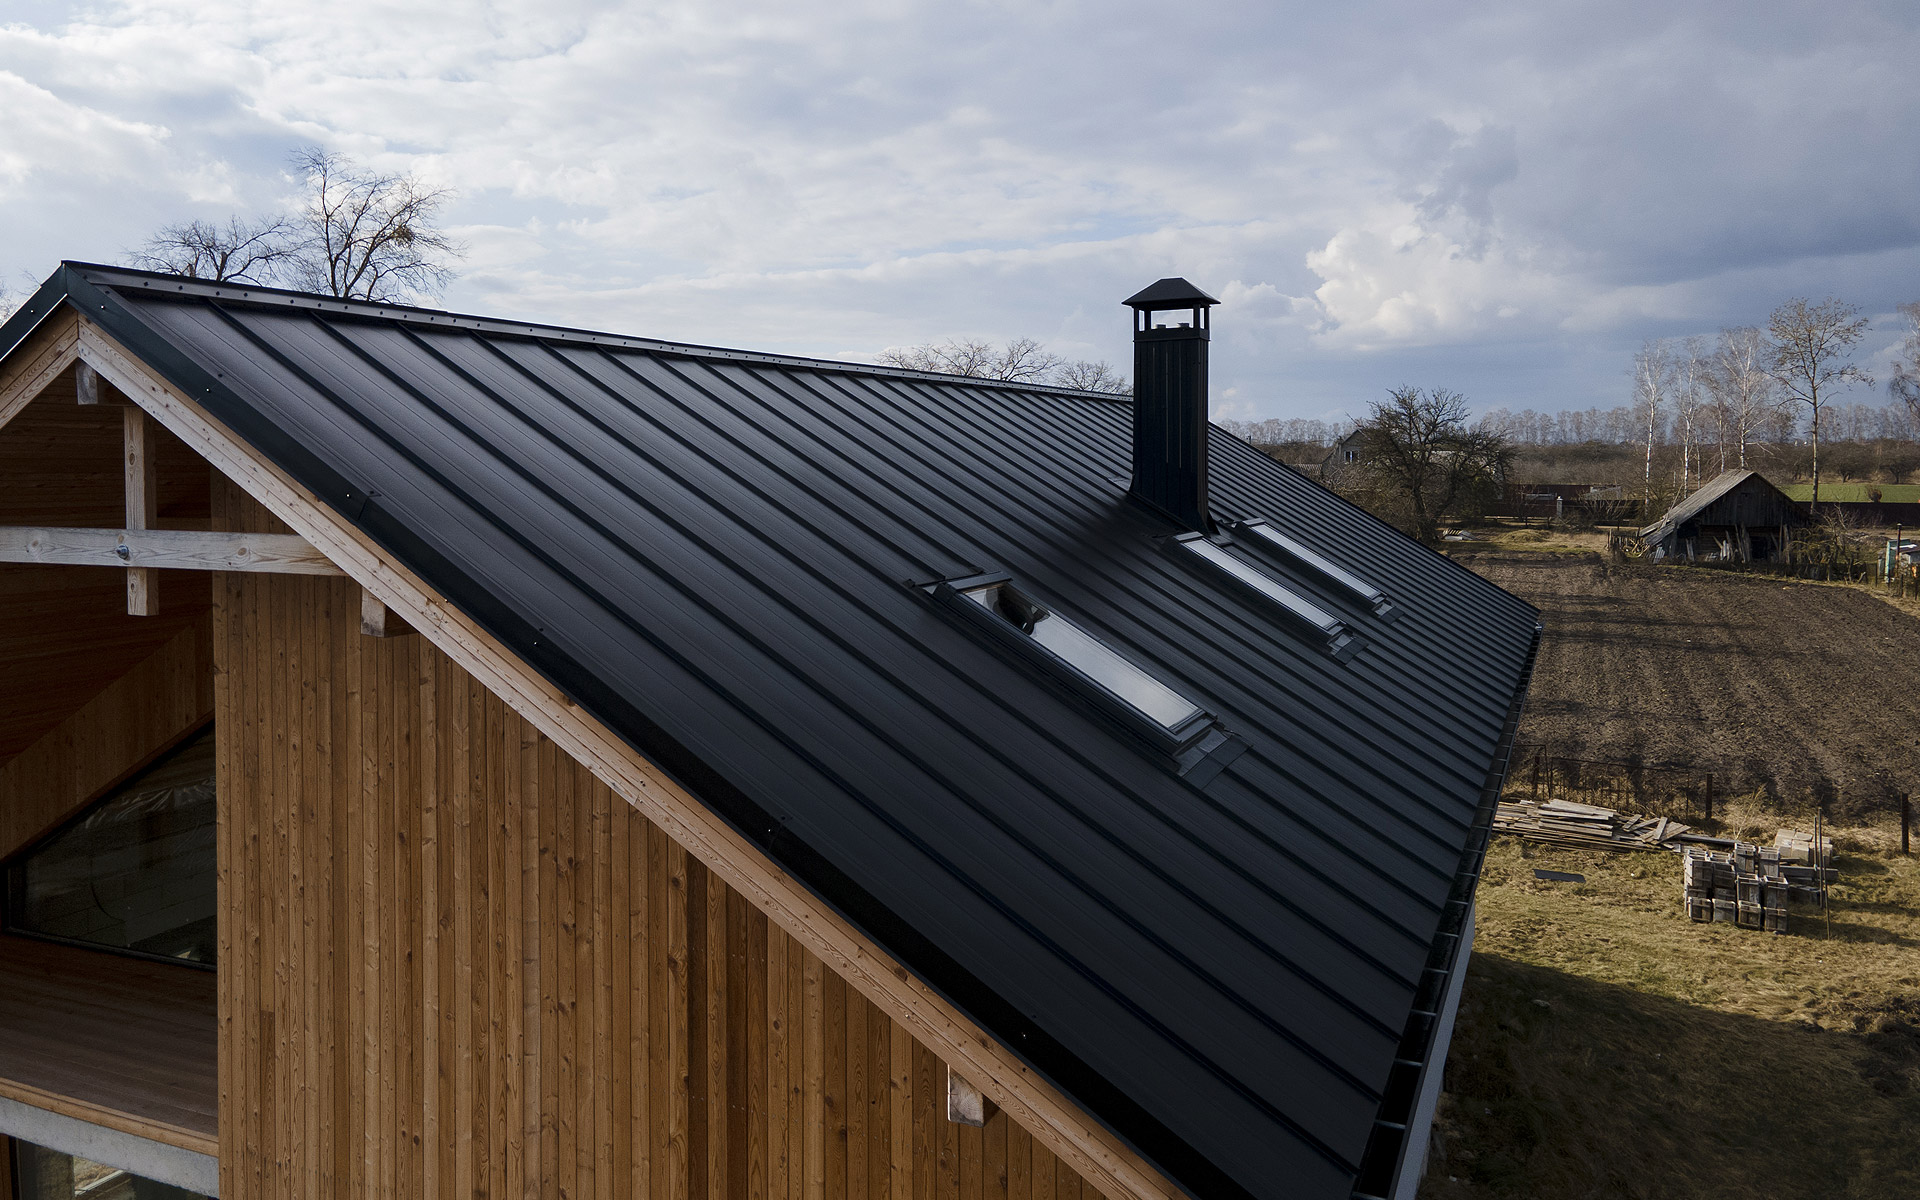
column 1087, row 655
column 136, row 871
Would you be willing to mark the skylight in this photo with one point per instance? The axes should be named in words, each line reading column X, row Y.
column 1086, row 655
column 1337, row 575
column 1339, row 641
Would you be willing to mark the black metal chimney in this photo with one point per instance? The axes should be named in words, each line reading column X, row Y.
column 1170, row 400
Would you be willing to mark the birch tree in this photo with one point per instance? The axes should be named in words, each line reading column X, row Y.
column 1652, row 381
column 1809, row 345
column 1689, row 398
column 1744, row 395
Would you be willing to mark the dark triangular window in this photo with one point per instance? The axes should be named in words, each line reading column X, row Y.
column 135, row 872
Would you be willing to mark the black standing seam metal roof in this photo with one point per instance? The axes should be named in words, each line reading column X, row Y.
column 715, row 552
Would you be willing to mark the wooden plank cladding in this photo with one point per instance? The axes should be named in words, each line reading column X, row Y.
column 454, row 964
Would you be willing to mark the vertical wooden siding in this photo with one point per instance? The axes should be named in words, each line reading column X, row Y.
column 453, row 964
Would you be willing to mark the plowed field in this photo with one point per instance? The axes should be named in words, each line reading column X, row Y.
column 1804, row 690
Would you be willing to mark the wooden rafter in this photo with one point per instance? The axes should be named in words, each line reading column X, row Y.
column 1000, row 1075
column 148, row 550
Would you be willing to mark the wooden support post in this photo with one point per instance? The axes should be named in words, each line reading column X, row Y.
column 143, row 583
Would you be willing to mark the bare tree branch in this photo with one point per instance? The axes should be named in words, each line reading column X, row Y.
column 1905, row 381
column 1020, row 360
column 1809, row 346
column 1745, row 399
column 1086, row 376
column 369, row 236
column 241, row 251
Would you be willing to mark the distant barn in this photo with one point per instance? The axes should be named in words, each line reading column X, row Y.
column 1737, row 517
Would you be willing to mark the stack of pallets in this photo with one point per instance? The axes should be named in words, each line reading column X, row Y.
column 1584, row 826
column 1744, row 886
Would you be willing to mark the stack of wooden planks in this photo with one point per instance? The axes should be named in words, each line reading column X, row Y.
column 1585, row 826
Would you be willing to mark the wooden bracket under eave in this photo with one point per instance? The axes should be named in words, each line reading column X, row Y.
column 89, row 388
column 377, row 620
column 965, row 1103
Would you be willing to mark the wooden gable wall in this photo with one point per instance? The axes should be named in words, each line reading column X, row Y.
column 454, row 964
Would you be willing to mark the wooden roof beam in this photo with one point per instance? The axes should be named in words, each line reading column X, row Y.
column 164, row 549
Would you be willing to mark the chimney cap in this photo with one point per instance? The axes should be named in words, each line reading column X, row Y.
column 1168, row 293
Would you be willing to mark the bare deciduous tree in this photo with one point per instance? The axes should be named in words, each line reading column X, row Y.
column 1744, row 397
column 1905, row 381
column 1426, row 461
column 1689, row 400
column 1020, row 360
column 1652, row 381
column 360, row 234
column 1808, row 349
column 1091, row 377
column 369, row 236
column 241, row 251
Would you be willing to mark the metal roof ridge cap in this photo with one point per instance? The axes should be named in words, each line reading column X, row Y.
column 16, row 329
column 265, row 296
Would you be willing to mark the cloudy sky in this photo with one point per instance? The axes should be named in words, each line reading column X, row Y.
column 1505, row 203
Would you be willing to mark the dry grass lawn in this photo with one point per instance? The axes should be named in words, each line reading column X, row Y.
column 1609, row 1047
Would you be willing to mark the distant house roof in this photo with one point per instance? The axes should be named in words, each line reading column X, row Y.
column 1715, row 490
column 725, row 556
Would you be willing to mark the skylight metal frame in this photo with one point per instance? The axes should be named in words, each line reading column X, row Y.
column 1196, row 747
column 1338, row 640
column 1265, row 534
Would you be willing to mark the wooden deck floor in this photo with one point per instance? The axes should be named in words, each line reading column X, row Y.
column 111, row 1040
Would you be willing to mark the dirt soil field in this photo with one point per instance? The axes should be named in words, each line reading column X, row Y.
column 1806, row 691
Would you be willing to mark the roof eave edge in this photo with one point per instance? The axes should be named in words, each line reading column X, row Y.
column 1390, row 1142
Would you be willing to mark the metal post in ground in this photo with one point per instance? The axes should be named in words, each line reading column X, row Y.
column 1906, row 820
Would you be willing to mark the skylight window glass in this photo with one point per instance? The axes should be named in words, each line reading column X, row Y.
column 1334, row 573
column 1087, row 655
column 1266, row 585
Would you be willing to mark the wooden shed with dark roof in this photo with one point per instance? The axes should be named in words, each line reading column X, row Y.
column 542, row 762
column 1737, row 516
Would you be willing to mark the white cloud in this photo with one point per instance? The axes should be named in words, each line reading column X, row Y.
column 1398, row 189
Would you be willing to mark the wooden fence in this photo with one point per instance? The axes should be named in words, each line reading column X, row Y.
column 1681, row 793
